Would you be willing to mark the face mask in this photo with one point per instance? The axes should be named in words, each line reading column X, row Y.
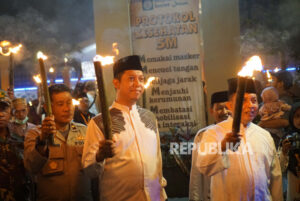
column 22, row 122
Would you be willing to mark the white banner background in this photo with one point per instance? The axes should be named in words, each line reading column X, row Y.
column 165, row 33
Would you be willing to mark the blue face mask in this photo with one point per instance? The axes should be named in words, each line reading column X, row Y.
column 22, row 122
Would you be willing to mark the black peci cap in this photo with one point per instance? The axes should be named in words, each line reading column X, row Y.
column 219, row 97
column 127, row 63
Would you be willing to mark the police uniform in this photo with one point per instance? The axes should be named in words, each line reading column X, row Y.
column 60, row 176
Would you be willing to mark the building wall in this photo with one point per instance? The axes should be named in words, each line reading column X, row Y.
column 111, row 25
column 221, row 32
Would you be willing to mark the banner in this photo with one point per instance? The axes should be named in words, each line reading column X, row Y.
column 165, row 34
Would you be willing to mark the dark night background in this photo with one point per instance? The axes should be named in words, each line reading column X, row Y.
column 53, row 26
column 57, row 27
column 270, row 28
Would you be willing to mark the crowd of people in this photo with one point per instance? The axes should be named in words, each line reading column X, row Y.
column 66, row 156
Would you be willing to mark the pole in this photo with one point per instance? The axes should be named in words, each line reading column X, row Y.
column 241, row 86
column 102, row 95
column 46, row 94
column 11, row 71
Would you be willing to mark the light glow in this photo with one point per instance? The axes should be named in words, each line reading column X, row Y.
column 40, row 55
column 269, row 76
column 253, row 64
column 104, row 60
column 75, row 102
column 276, row 70
column 16, row 49
column 149, row 81
column 37, row 79
column 6, row 50
column 5, row 43
column 51, row 70
column 115, row 47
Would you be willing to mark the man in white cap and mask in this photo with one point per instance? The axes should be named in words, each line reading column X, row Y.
column 20, row 123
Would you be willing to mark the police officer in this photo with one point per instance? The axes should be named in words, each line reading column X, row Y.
column 58, row 167
column 12, row 172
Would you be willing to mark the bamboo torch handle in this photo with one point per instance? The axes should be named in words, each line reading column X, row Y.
column 241, row 86
column 103, row 100
column 45, row 88
column 46, row 96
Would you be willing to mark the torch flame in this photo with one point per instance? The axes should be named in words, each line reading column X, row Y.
column 40, row 55
column 276, row 70
column 3, row 52
column 75, row 102
column 66, row 59
column 16, row 49
column 116, row 48
column 51, row 70
column 269, row 76
column 253, row 64
column 149, row 81
column 6, row 50
column 30, row 103
column 104, row 60
column 5, row 43
column 37, row 79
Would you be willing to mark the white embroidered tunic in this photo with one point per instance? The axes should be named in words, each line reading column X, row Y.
column 135, row 172
column 251, row 173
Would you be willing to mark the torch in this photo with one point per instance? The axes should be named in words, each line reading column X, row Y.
column 253, row 64
column 13, row 51
column 66, row 73
column 269, row 77
column 38, row 82
column 52, row 75
column 11, row 71
column 41, row 57
column 98, row 62
column 148, row 83
column 6, row 49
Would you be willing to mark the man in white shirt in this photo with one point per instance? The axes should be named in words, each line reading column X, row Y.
column 129, row 167
column 199, row 188
column 252, row 172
